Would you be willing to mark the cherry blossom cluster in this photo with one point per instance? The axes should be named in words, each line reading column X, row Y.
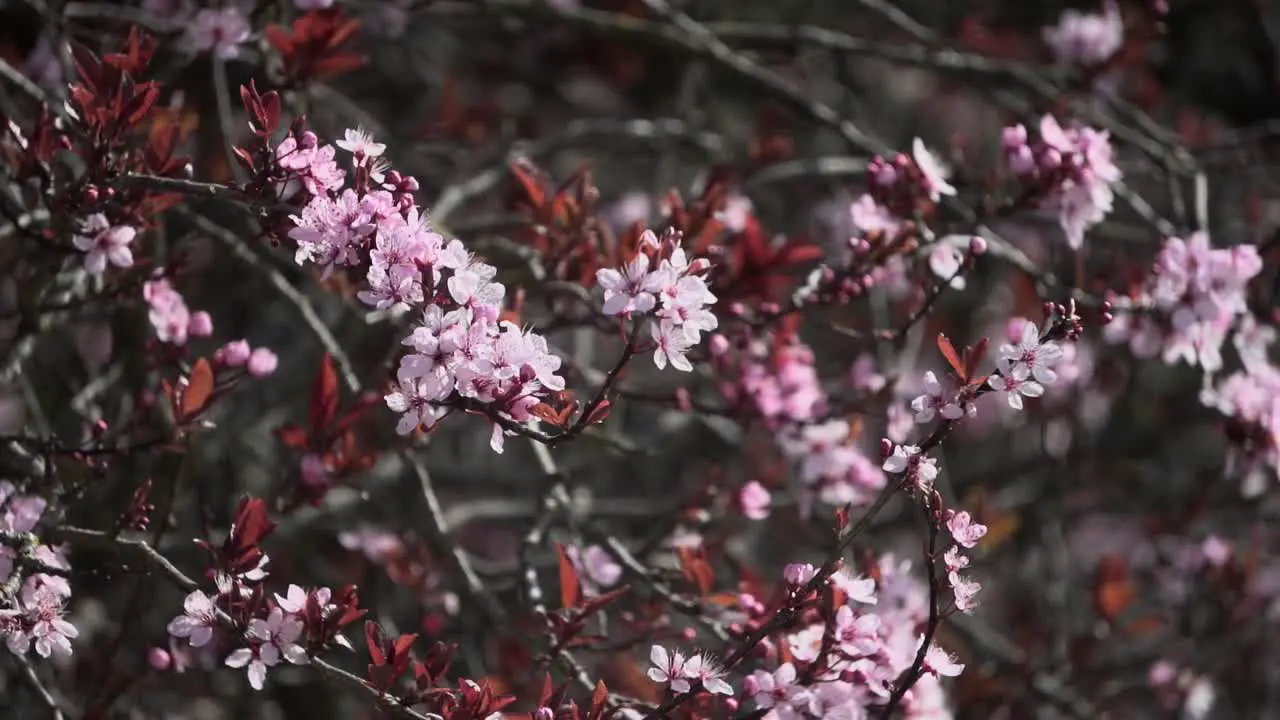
column 240, row 623
column 33, row 587
column 1250, row 397
column 682, row 674
column 1086, row 39
column 897, row 189
column 173, row 322
column 675, row 292
column 1067, row 170
column 844, row 662
column 781, row 384
column 1199, row 294
column 461, row 351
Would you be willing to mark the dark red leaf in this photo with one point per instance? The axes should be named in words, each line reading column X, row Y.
column 535, row 193
column 599, row 413
column 377, row 642
column 570, row 587
column 199, row 390
column 324, row 396
column 949, row 352
column 974, row 356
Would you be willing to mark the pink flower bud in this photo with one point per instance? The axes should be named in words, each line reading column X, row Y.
column 689, row 634
column 159, row 659
column 200, row 324
column 1021, row 161
column 730, row 704
column 978, row 245
column 1051, row 160
column 755, row 500
column 683, row 401
column 544, row 713
column 233, row 354
column 262, row 362
column 797, row 574
column 718, row 344
column 886, row 448
column 1014, row 137
column 750, row 686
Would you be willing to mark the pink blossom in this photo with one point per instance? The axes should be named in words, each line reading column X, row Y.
column 755, row 500
column 1031, row 357
column 939, row 662
column 1086, row 39
column 668, row 668
column 198, row 622
column 966, row 532
column 933, row 401
column 168, row 311
column 220, row 30
column 630, row 290
column 104, row 243
column 921, row 469
column 934, row 172
column 1015, row 389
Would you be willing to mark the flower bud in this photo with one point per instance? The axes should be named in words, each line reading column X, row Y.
column 1014, row 137
column 234, row 354
column 750, row 686
column 886, row 448
column 978, row 245
column 262, row 362
column 200, row 324
column 797, row 574
column 159, row 659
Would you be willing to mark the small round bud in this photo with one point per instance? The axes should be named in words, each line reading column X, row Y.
column 886, row 448
column 978, row 245
column 731, row 704
column 159, row 659
column 718, row 344
column 750, row 686
column 200, row 324
column 234, row 354
column 262, row 362
column 689, row 634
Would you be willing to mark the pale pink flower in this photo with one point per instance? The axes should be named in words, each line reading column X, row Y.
column 668, row 668
column 672, row 345
column 755, row 500
column 631, row 290
column 1030, row 357
column 1015, row 389
column 939, row 662
column 934, row 172
column 360, row 143
column 1086, row 39
column 933, row 402
column 104, row 243
column 198, row 622
column 219, row 30
column 963, row 529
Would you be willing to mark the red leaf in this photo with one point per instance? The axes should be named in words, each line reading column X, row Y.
column 403, row 643
column 377, row 642
column 953, row 359
column 695, row 568
column 199, row 390
column 570, row 587
column 533, row 188
column 324, row 396
column 974, row 356
column 599, row 413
